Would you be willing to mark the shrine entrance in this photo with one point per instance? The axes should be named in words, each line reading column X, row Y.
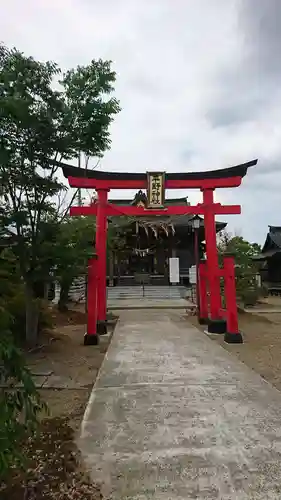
column 141, row 262
column 156, row 184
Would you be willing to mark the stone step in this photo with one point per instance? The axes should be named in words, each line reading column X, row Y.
column 153, row 292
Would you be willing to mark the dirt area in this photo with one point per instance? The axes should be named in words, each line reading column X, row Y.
column 66, row 370
column 261, row 349
column 271, row 301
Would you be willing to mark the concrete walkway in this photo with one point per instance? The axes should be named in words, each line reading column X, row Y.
column 175, row 416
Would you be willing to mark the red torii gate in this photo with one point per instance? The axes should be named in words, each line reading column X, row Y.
column 103, row 182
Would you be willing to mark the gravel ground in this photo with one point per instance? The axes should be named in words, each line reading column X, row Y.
column 261, row 349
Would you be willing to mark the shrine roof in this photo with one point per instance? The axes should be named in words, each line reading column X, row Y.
column 178, row 221
column 236, row 171
column 186, row 220
column 272, row 245
column 168, row 202
column 273, row 239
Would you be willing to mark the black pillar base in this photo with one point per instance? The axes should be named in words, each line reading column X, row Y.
column 203, row 321
column 101, row 327
column 233, row 338
column 91, row 339
column 217, row 326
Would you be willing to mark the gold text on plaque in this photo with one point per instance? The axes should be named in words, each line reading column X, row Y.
column 156, row 189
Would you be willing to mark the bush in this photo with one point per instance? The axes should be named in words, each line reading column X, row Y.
column 249, row 297
column 16, row 308
column 19, row 400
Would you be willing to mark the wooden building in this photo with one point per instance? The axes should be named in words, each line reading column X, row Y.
column 270, row 260
column 150, row 242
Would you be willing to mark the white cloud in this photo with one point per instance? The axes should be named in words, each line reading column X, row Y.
column 175, row 63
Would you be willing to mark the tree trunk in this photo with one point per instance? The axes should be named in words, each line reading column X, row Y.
column 39, row 289
column 31, row 316
column 47, row 288
column 64, row 292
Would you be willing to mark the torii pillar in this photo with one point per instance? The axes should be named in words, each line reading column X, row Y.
column 217, row 324
column 101, row 249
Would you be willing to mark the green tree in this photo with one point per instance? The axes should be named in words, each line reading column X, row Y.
column 40, row 126
column 19, row 400
column 118, row 229
column 74, row 246
column 245, row 267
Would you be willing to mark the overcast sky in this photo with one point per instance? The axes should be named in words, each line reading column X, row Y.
column 199, row 83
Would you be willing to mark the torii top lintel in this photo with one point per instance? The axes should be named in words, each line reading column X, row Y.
column 210, row 179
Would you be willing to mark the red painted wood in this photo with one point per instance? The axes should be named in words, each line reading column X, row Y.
column 203, row 183
column 83, row 182
column 223, row 313
column 139, row 211
column 203, row 299
column 230, row 295
column 209, row 272
column 173, row 210
column 212, row 254
column 92, row 297
column 101, row 237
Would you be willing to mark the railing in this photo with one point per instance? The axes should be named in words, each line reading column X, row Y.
column 142, row 279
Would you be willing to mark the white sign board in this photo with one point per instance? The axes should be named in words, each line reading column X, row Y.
column 192, row 275
column 174, row 270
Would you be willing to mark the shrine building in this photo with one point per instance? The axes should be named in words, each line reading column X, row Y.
column 269, row 260
column 148, row 243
